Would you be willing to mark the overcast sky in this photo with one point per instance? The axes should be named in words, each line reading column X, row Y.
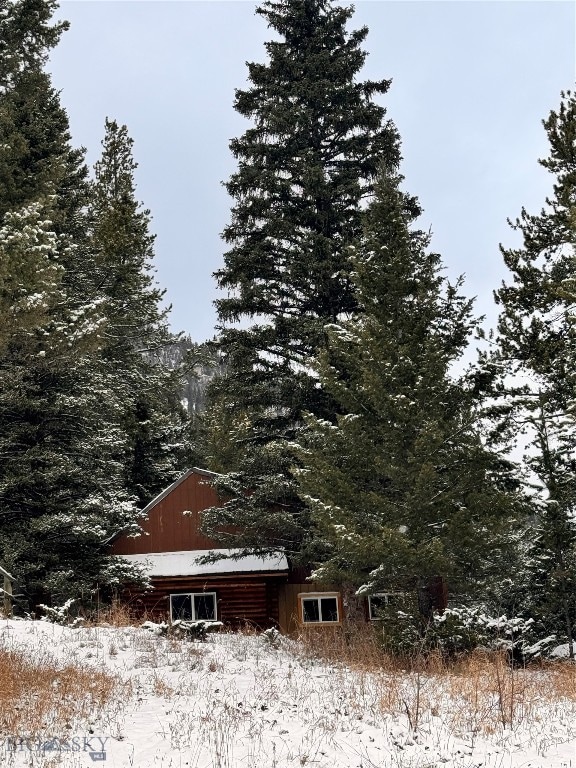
column 472, row 82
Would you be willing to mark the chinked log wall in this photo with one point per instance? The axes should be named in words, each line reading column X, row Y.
column 249, row 599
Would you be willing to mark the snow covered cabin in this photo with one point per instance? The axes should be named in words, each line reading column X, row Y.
column 264, row 591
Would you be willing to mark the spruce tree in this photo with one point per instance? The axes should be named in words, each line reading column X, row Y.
column 27, row 34
column 305, row 169
column 29, row 279
column 36, row 157
column 534, row 363
column 61, row 490
column 401, row 487
column 61, row 486
column 136, row 333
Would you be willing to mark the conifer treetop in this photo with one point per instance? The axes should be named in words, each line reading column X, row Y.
column 317, row 142
column 26, row 36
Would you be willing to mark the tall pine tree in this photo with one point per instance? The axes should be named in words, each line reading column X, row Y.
column 401, row 488
column 305, row 169
column 136, row 332
column 536, row 359
column 61, row 482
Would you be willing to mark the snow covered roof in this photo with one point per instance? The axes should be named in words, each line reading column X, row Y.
column 186, row 563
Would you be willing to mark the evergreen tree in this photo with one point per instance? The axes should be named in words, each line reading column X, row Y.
column 305, row 168
column 36, row 159
column 401, row 487
column 27, row 34
column 29, row 279
column 136, row 333
column 535, row 361
column 60, row 482
column 61, row 485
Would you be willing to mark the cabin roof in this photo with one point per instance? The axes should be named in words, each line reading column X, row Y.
column 187, row 563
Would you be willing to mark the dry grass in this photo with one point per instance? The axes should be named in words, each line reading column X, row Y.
column 357, row 646
column 117, row 614
column 562, row 676
column 476, row 693
column 330, row 682
column 42, row 696
column 161, row 687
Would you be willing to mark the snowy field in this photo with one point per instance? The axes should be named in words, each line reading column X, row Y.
column 237, row 700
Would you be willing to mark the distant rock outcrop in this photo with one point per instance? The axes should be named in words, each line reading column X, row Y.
column 199, row 364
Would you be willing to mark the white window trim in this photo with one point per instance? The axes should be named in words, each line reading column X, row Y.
column 318, row 596
column 386, row 596
column 192, row 595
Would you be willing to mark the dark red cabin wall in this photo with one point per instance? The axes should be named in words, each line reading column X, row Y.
column 240, row 598
column 168, row 529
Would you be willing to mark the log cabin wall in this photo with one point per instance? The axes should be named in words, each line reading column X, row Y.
column 167, row 529
column 241, row 598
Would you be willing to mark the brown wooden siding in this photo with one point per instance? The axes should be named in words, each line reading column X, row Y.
column 351, row 607
column 167, row 529
column 240, row 599
column 289, row 619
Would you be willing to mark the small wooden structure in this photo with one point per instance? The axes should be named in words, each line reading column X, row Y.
column 7, row 592
column 235, row 590
column 263, row 591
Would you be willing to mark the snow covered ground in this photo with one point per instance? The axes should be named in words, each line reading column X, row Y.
column 236, row 700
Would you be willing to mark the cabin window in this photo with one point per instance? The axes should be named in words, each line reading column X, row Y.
column 382, row 600
column 320, row 608
column 194, row 606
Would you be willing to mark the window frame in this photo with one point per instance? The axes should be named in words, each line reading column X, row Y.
column 192, row 595
column 318, row 596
